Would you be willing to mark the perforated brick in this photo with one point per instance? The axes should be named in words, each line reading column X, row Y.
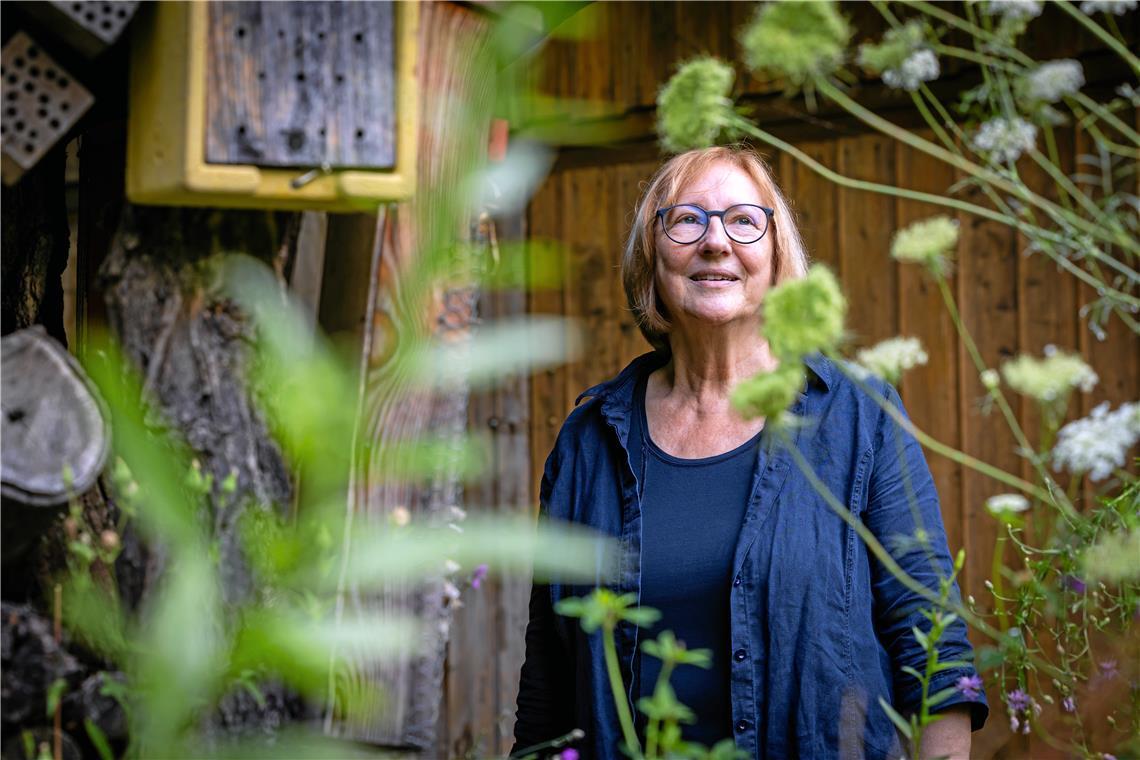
column 41, row 103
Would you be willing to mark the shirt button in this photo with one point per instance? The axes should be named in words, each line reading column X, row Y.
column 736, row 581
column 742, row 725
column 739, row 655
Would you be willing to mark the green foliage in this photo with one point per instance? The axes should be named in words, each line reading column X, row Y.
column 769, row 394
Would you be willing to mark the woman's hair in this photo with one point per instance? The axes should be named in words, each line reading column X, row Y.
column 639, row 260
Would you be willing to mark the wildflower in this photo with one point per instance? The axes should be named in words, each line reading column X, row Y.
column 769, row 393
column 451, row 593
column 450, row 567
column 478, row 576
column 1018, row 700
column 804, row 315
column 1115, row 557
column 1013, row 724
column 1075, row 584
column 400, row 516
column 1005, row 139
column 1050, row 379
column 801, row 41
column 1052, row 81
column 929, row 242
column 1017, row 9
column 902, row 57
column 890, row 358
column 969, row 686
column 1098, row 443
column 1115, row 7
column 920, row 66
column 693, row 108
column 1108, row 669
column 1068, row 705
column 569, row 754
column 990, row 379
column 1005, row 504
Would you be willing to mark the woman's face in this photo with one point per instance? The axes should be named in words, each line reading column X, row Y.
column 716, row 280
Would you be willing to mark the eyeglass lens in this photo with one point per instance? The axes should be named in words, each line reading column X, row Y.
column 744, row 223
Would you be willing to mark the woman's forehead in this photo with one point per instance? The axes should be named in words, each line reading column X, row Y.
column 721, row 181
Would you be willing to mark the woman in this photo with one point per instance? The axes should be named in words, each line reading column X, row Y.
column 721, row 531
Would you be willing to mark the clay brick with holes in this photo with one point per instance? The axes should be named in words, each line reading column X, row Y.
column 87, row 26
column 41, row 103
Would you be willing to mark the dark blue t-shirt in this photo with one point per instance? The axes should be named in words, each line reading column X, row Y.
column 691, row 513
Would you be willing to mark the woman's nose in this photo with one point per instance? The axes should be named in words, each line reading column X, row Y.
column 716, row 240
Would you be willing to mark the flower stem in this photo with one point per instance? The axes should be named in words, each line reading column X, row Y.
column 617, row 686
column 1116, row 45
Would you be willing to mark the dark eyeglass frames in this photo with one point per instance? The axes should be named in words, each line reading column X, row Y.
column 687, row 223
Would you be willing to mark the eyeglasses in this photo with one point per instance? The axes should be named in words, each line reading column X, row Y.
column 686, row 223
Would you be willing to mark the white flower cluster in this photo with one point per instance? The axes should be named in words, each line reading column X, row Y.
column 1050, row 379
column 1052, row 81
column 892, row 357
column 1014, row 8
column 1097, row 444
column 1006, row 503
column 1005, row 139
column 1116, row 7
column 920, row 66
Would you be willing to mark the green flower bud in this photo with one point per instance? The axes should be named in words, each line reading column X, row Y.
column 694, row 108
column 804, row 315
column 769, row 393
column 800, row 41
column 930, row 242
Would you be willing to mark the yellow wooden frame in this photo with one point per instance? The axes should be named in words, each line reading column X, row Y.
column 166, row 134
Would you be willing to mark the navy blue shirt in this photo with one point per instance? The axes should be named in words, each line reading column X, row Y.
column 824, row 630
column 686, row 574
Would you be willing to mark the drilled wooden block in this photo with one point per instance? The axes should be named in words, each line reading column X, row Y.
column 41, row 103
column 89, row 27
column 302, row 84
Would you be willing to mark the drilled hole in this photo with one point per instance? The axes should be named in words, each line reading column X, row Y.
column 54, row 123
column 241, row 130
column 300, row 76
column 49, row 74
column 240, row 32
column 33, row 134
column 29, row 87
column 18, row 62
column 122, row 13
column 65, row 106
column 63, row 82
column 44, row 98
column 106, row 25
column 29, row 148
column 340, row 78
column 90, row 17
column 32, row 51
column 12, row 96
column 19, row 125
column 33, row 71
column 360, row 134
column 77, row 7
column 12, row 79
column 358, row 37
column 281, row 34
column 320, row 35
column 261, row 75
column 42, row 113
column 322, row 132
column 10, row 111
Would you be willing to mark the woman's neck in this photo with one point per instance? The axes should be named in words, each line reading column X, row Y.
column 708, row 365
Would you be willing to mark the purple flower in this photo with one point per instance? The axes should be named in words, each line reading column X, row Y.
column 1106, row 756
column 1075, row 584
column 1018, row 700
column 969, row 686
column 569, row 753
column 1068, row 705
column 476, row 581
column 1108, row 669
column 1013, row 724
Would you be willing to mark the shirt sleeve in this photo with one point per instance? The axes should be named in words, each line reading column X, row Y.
column 545, row 706
column 903, row 504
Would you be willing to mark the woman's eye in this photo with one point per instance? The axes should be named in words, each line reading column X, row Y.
column 687, row 219
column 744, row 220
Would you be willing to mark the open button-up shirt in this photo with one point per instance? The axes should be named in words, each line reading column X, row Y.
column 819, row 629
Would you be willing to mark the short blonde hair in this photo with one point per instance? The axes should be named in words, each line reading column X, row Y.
column 639, row 260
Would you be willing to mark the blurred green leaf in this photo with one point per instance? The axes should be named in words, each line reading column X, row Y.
column 54, row 694
column 98, row 740
column 900, row 723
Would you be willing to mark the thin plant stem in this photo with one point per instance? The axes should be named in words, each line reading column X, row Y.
column 613, row 670
column 995, row 579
